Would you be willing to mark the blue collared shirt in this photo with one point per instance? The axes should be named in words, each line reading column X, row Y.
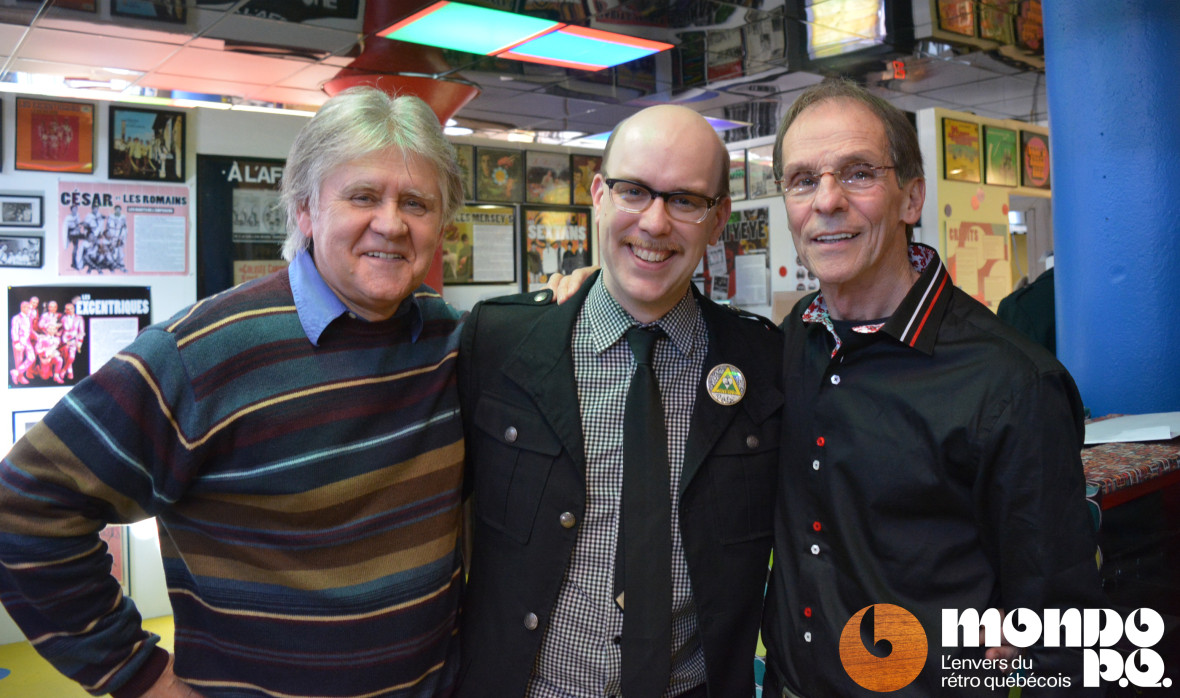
column 317, row 305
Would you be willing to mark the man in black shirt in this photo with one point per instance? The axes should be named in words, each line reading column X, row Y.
column 930, row 458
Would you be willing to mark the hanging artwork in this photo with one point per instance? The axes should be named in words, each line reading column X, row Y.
column 54, row 136
column 499, row 175
column 960, row 150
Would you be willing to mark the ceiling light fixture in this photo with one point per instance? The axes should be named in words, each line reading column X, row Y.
column 460, row 27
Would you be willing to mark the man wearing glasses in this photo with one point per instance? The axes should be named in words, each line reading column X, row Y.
column 623, row 499
column 930, row 454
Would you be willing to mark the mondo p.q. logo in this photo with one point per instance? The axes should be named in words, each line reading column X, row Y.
column 883, row 647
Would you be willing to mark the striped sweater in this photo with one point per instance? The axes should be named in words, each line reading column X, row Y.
column 308, row 500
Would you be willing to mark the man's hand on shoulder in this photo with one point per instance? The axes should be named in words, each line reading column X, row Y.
column 565, row 286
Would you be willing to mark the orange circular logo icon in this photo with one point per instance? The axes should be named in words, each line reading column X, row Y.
column 883, row 647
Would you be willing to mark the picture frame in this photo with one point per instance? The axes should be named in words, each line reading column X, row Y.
column 146, row 144
column 23, row 420
column 54, row 136
column 547, row 178
column 553, row 238
column 760, row 172
column 499, row 175
column 173, row 12
column 22, row 251
column 584, row 167
column 956, row 16
column 1034, row 160
column 960, row 151
column 22, row 210
column 1001, row 157
column 90, row 6
column 479, row 245
column 737, row 174
column 465, row 154
column 243, row 240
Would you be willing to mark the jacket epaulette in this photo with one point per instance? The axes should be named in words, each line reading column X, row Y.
column 746, row 315
column 543, row 297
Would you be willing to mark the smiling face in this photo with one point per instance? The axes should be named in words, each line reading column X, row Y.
column 648, row 258
column 375, row 229
column 854, row 242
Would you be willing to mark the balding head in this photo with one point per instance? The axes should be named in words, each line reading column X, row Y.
column 662, row 162
column 674, row 125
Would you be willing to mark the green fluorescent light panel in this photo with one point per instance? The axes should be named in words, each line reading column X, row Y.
column 466, row 28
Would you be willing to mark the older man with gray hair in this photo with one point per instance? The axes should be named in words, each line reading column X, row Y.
column 298, row 440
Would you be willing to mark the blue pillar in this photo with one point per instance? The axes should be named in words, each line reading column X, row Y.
column 1112, row 73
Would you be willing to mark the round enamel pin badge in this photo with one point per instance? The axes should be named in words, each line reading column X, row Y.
column 726, row 384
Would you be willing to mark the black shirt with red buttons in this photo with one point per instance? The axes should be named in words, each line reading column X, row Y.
column 930, row 461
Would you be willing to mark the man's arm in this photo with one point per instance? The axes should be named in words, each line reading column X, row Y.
column 107, row 453
column 1036, row 527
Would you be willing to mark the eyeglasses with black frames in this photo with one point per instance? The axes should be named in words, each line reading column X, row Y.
column 857, row 176
column 682, row 206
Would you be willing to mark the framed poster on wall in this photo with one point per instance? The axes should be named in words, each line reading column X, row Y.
column 466, row 157
column 760, row 172
column 146, row 144
column 175, row 12
column 499, row 175
column 960, row 150
column 54, row 136
column 547, row 177
column 584, row 168
column 555, row 239
column 957, row 16
column 737, row 268
column 1034, row 156
column 70, row 331
column 240, row 225
column 1000, row 155
column 21, row 210
column 123, row 228
column 23, row 420
column 21, row 251
column 479, row 246
column 737, row 174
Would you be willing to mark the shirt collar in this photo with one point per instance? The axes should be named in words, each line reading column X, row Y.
column 915, row 322
column 609, row 321
column 317, row 306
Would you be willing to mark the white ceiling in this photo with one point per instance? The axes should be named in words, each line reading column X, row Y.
column 217, row 50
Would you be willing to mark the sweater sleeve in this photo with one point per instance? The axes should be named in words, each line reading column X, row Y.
column 110, row 451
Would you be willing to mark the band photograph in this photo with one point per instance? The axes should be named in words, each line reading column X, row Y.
column 21, row 251
column 21, row 210
column 146, row 144
column 54, row 136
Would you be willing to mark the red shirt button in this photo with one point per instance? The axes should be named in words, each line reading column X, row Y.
column 807, row 611
column 819, row 441
column 816, row 526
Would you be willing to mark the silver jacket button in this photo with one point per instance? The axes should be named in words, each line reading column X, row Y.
column 567, row 520
column 531, row 622
column 510, row 435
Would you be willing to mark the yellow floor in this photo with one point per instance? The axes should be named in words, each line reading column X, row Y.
column 24, row 674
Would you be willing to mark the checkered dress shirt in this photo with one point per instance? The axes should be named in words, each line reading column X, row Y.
column 581, row 654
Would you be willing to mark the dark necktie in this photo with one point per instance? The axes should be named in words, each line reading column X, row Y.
column 643, row 559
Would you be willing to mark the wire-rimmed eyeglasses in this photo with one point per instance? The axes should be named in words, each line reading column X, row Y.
column 683, row 206
column 856, row 176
